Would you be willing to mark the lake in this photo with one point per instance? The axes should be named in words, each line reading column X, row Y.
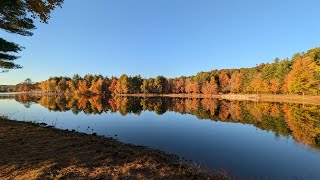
column 246, row 139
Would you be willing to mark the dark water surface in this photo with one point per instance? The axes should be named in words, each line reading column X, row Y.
column 247, row 139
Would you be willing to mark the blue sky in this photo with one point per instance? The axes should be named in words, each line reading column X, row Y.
column 164, row 37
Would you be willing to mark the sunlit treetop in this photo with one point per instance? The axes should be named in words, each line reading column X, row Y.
column 16, row 16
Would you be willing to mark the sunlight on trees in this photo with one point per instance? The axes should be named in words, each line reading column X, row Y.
column 16, row 16
column 299, row 75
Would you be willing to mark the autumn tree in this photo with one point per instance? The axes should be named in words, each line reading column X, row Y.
column 179, row 85
column 188, row 86
column 62, row 86
column 258, row 85
column 22, row 87
column 113, row 88
column 275, row 85
column 83, row 87
column 151, row 87
column 302, row 77
column 210, row 87
column 89, row 78
column 248, row 74
column 144, row 87
column 124, row 84
column 26, row 85
column 51, row 86
column 235, row 82
column 97, row 86
column 106, row 84
column 224, row 80
column 136, row 82
column 191, row 86
column 159, row 84
column 195, row 87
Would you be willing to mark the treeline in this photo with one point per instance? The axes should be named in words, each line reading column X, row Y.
column 300, row 121
column 6, row 88
column 300, row 74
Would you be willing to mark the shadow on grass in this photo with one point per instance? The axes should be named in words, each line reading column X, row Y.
column 29, row 151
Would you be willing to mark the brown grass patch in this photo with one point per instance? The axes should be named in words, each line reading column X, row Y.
column 29, row 151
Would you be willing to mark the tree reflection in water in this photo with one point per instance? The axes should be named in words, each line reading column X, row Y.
column 300, row 121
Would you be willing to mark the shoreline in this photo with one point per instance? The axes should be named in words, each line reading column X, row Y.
column 281, row 98
column 36, row 151
column 299, row 99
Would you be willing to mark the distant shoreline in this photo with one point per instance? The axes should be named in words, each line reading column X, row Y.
column 300, row 99
column 286, row 98
column 13, row 93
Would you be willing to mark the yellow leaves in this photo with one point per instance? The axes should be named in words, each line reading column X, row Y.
column 303, row 122
column 236, row 82
column 302, row 77
column 275, row 85
column 258, row 85
column 96, row 87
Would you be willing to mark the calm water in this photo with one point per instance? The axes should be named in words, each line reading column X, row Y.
column 247, row 139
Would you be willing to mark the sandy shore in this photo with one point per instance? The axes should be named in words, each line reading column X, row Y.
column 315, row 100
column 31, row 151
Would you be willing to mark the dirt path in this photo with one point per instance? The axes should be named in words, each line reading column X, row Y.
column 29, row 151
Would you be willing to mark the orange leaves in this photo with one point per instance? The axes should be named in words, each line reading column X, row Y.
column 179, row 86
column 225, row 83
column 302, row 77
column 114, row 86
column 236, row 82
column 210, row 87
column 97, row 87
column 192, row 87
column 275, row 85
column 303, row 121
column 83, row 87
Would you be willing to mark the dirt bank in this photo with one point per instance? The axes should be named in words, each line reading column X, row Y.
column 30, row 151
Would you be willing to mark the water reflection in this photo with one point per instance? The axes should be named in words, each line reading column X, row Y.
column 300, row 121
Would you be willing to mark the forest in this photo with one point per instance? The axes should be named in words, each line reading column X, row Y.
column 297, row 75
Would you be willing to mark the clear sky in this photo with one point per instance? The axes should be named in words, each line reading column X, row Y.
column 164, row 37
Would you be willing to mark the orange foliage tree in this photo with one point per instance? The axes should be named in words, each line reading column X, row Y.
column 302, row 77
column 224, row 80
column 210, row 87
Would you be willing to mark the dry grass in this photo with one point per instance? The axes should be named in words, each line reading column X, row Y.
column 29, row 151
column 299, row 99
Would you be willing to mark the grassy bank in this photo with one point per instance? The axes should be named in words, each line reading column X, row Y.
column 31, row 151
column 300, row 99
